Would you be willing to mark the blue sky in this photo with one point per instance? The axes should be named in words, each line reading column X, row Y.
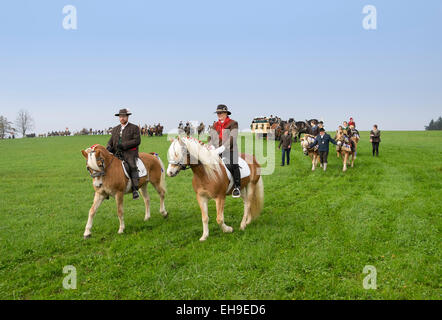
column 176, row 60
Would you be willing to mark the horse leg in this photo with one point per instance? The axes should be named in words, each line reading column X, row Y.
column 98, row 199
column 146, row 199
column 220, row 201
column 245, row 196
column 202, row 201
column 314, row 163
column 162, row 192
column 119, row 197
column 345, row 162
column 353, row 156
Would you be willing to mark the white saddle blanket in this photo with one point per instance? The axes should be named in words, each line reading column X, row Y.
column 142, row 172
column 244, row 171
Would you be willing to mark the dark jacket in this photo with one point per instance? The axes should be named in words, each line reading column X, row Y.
column 322, row 142
column 375, row 136
column 229, row 136
column 285, row 141
column 130, row 140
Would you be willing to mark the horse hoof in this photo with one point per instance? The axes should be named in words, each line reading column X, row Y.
column 86, row 236
column 120, row 231
column 146, row 218
column 228, row 230
column 202, row 239
column 242, row 227
column 165, row 214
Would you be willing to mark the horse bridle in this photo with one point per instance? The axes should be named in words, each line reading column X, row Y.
column 93, row 173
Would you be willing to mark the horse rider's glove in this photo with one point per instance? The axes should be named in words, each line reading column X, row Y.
column 220, row 149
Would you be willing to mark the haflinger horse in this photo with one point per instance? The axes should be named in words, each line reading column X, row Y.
column 313, row 153
column 345, row 148
column 109, row 180
column 210, row 181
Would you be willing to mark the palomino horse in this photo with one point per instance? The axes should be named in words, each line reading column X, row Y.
column 313, row 153
column 210, row 181
column 345, row 147
column 109, row 180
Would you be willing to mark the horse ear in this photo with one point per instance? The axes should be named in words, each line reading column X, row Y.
column 84, row 153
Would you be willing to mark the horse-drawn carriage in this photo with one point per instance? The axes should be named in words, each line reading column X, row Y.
column 261, row 127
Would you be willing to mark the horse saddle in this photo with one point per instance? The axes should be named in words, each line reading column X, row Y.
column 142, row 171
column 244, row 171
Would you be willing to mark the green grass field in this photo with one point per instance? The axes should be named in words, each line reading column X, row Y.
column 315, row 235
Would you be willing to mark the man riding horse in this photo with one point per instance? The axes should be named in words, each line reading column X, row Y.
column 124, row 144
column 223, row 137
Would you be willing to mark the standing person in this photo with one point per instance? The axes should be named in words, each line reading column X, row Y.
column 323, row 140
column 286, row 143
column 375, row 139
column 223, row 137
column 351, row 123
column 124, row 144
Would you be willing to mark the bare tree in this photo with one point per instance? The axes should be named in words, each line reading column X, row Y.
column 5, row 127
column 24, row 122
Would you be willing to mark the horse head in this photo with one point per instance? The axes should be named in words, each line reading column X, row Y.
column 96, row 160
column 177, row 156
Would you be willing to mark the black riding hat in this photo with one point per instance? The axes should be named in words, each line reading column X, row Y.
column 222, row 108
column 123, row 112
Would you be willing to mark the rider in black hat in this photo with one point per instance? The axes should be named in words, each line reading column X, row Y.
column 124, row 144
column 223, row 136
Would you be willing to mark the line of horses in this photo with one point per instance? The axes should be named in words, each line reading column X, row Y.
column 153, row 130
column 347, row 143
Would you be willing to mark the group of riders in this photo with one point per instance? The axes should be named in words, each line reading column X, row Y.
column 126, row 138
column 190, row 129
column 125, row 141
column 152, row 130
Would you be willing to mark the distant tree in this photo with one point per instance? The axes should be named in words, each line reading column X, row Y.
column 5, row 127
column 434, row 125
column 24, row 122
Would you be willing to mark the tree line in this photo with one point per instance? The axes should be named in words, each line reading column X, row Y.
column 23, row 124
column 434, row 125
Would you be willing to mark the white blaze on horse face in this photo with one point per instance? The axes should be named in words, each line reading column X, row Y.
column 92, row 162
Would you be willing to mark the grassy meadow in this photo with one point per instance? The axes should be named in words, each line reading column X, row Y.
column 315, row 235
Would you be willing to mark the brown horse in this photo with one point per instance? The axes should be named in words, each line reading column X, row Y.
column 313, row 153
column 345, row 148
column 109, row 180
column 210, row 181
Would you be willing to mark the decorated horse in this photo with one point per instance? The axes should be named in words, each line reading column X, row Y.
column 212, row 180
column 110, row 179
column 313, row 153
column 345, row 147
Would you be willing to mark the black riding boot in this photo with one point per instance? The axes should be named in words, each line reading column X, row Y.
column 134, row 179
column 236, row 181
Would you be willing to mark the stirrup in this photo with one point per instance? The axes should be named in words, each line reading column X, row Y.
column 238, row 193
column 135, row 195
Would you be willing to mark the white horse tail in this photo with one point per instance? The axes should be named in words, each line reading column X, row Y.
column 257, row 199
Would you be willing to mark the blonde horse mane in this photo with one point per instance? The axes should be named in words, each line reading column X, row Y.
column 201, row 152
